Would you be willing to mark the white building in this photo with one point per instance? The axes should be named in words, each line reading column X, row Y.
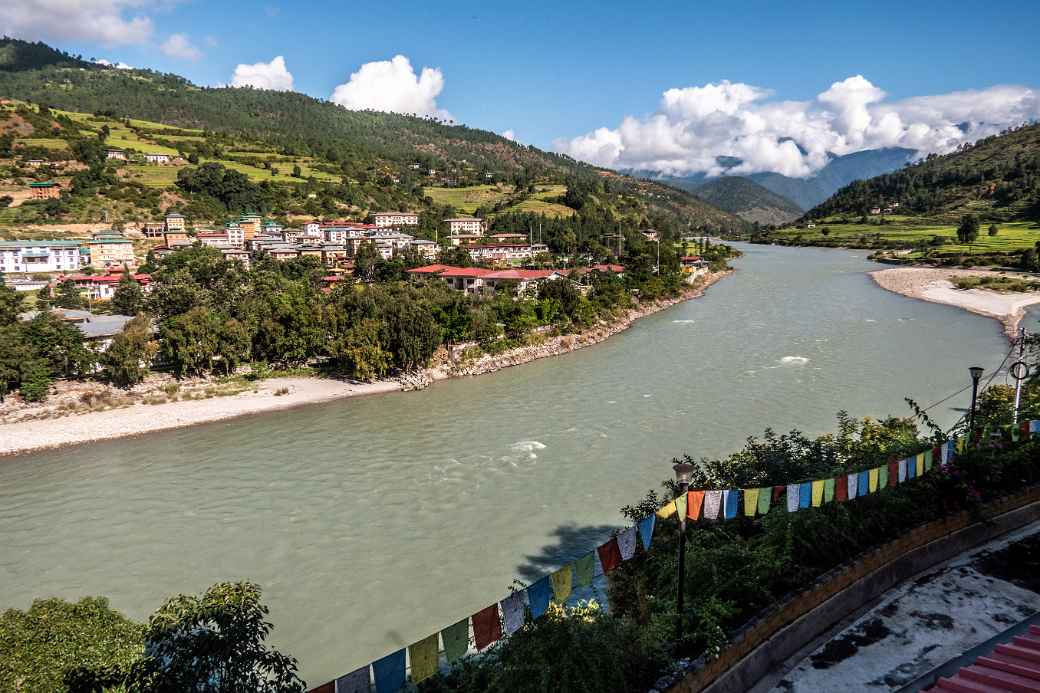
column 214, row 240
column 39, row 256
column 117, row 154
column 387, row 220
column 506, row 252
column 157, row 158
column 236, row 235
column 428, row 250
column 466, row 226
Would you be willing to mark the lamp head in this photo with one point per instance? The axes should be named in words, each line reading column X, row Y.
column 683, row 474
column 976, row 372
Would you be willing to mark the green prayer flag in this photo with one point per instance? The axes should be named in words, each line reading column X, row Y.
column 680, row 506
column 456, row 640
column 764, row 498
column 828, row 491
column 928, row 460
column 584, row 568
column 883, row 477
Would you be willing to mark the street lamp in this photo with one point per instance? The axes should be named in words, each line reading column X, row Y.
column 976, row 375
column 683, row 474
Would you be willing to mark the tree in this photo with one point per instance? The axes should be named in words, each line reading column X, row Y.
column 365, row 261
column 213, row 644
column 127, row 358
column 189, row 342
column 296, row 172
column 360, row 353
column 10, row 304
column 13, row 353
column 128, row 298
column 60, row 344
column 993, row 230
column 68, row 295
column 968, row 231
column 35, row 378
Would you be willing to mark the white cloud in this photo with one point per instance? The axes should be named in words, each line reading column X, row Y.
column 106, row 21
column 392, row 85
column 693, row 126
column 272, row 75
column 180, row 46
column 509, row 135
column 118, row 65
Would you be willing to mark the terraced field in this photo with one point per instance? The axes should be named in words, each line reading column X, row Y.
column 1011, row 236
column 468, row 200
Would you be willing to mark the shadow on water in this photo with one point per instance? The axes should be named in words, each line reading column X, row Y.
column 571, row 543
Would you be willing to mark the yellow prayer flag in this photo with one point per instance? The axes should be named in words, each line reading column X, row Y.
column 561, row 583
column 667, row 511
column 872, row 479
column 961, row 442
column 751, row 501
column 919, row 461
column 817, row 493
column 423, row 656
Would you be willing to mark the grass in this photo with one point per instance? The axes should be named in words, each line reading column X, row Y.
column 152, row 176
column 536, row 206
column 45, row 142
column 998, row 284
column 468, row 199
column 1011, row 237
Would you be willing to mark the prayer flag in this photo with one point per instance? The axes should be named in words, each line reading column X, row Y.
column 712, row 504
column 882, row 482
column 667, row 511
column 792, row 498
column 609, row 555
column 919, row 464
column 680, row 506
column 423, row 656
column 872, row 478
column 561, row 583
column 902, row 471
column 731, row 498
column 828, row 490
column 931, row 456
column 911, row 468
column 389, row 672
column 751, row 501
column 585, row 567
column 356, row 681
column 804, row 495
column 951, row 451
column 646, row 530
column 1015, row 431
column 513, row 612
column 487, row 628
column 863, row 483
column 962, row 442
column 626, row 540
column 1024, row 429
column 817, row 493
column 539, row 594
column 841, row 488
column 852, row 481
column 694, row 502
column 764, row 500
column 456, row 640
column 778, row 493
column 329, row 687
column 892, row 474
column 1034, row 426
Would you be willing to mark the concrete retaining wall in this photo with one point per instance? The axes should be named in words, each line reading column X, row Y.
column 783, row 630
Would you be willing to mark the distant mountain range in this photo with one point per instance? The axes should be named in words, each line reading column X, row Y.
column 804, row 193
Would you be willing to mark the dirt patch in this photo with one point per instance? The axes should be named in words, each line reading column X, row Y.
column 849, row 644
column 1018, row 563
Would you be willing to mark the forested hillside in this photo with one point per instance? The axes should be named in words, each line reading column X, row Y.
column 997, row 178
column 748, row 200
column 354, row 162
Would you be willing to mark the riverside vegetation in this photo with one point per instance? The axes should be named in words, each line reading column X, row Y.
column 734, row 570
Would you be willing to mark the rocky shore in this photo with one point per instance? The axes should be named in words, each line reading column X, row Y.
column 63, row 425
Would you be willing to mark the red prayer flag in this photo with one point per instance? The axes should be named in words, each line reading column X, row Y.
column 779, row 493
column 841, row 488
column 487, row 627
column 893, row 473
column 1023, row 429
column 610, row 555
column 694, row 500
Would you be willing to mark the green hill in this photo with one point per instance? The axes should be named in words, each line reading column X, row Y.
column 748, row 200
column 996, row 178
column 300, row 149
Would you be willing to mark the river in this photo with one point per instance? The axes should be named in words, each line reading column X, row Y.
column 373, row 522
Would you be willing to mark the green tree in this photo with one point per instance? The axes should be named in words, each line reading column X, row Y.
column 993, row 230
column 68, row 295
column 13, row 353
column 968, row 231
column 10, row 304
column 360, row 353
column 128, row 298
column 366, row 260
column 127, row 358
column 60, row 344
column 189, row 341
column 35, row 379
column 214, row 643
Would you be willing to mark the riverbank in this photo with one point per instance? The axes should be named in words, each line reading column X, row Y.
column 936, row 285
column 283, row 393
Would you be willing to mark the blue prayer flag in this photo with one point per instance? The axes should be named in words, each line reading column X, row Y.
column 731, row 502
column 513, row 612
column 805, row 495
column 389, row 672
column 538, row 596
column 911, row 467
column 1034, row 426
column 646, row 530
column 864, row 483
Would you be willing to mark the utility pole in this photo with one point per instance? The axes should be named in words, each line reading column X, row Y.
column 1018, row 371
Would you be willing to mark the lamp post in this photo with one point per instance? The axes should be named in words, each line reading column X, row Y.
column 976, row 375
column 683, row 473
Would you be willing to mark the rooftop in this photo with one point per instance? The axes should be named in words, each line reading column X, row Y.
column 39, row 244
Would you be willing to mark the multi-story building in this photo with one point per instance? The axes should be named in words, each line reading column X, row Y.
column 236, row 237
column 466, row 226
column 237, row 255
column 117, row 154
column 102, row 287
column 250, row 224
column 111, row 250
column 389, row 220
column 153, row 229
column 428, row 250
column 176, row 238
column 39, row 256
column 213, row 239
column 156, row 158
column 506, row 252
column 44, row 191
column 175, row 223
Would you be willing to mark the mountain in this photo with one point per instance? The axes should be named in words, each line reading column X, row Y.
column 997, row 177
column 811, row 191
column 378, row 160
column 747, row 199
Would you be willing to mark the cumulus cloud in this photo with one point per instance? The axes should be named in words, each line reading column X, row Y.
column 694, row 126
column 509, row 135
column 180, row 46
column 118, row 65
column 106, row 21
column 392, row 85
column 272, row 75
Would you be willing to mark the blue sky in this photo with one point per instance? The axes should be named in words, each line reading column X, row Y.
column 550, row 71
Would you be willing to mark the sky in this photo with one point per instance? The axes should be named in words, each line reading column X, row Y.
column 663, row 86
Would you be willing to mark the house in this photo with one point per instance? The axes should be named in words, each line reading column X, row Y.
column 475, row 280
column 649, row 234
column 465, row 239
column 519, row 281
column 34, row 163
column 109, row 249
column 117, row 154
column 236, row 237
column 238, row 255
column 505, row 252
column 175, row 223
column 508, row 237
column 292, row 235
column 427, row 271
column 334, row 255
column 394, row 219
column 875, row 210
column 157, row 158
column 102, row 287
column 39, row 256
column 96, row 329
column 810, row 225
column 271, row 228
column 428, row 250
column 609, row 269
column 45, row 190
column 250, row 224
column 281, row 253
column 467, row 279
column 466, row 226
column 176, row 238
column 213, row 239
column 153, row 229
